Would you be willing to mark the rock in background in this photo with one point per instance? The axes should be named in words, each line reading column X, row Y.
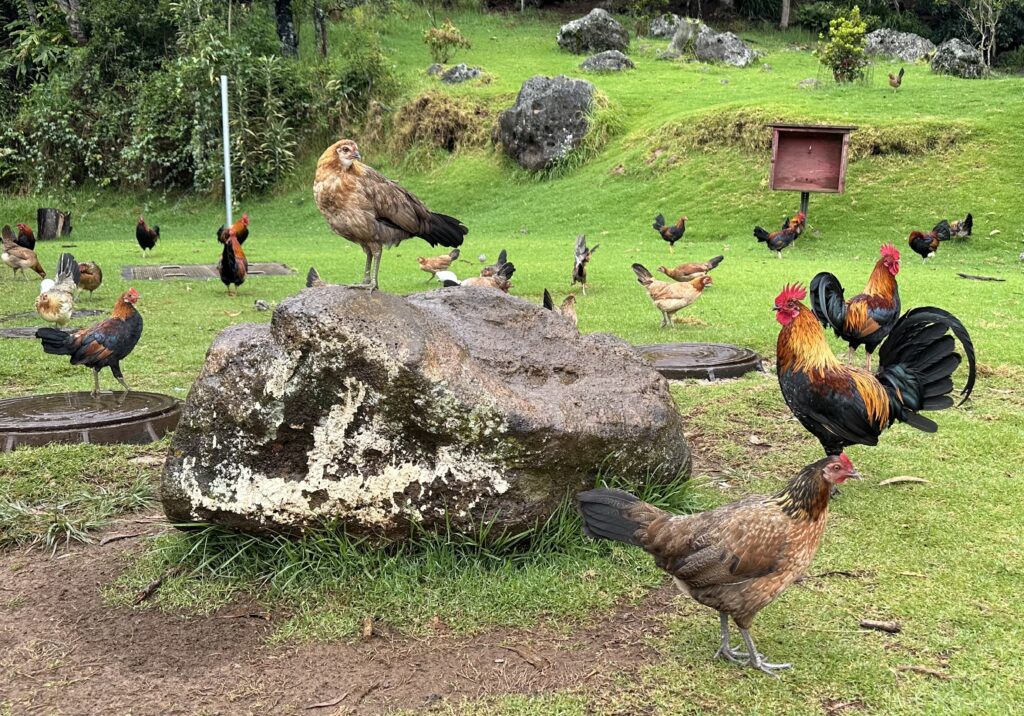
column 685, row 36
column 956, row 57
column 547, row 122
column 664, row 26
column 455, row 407
column 723, row 47
column 610, row 61
column 905, row 46
column 596, row 32
column 457, row 74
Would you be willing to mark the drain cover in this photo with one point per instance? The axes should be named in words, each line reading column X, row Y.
column 135, row 417
column 197, row 272
column 83, row 313
column 30, row 331
column 709, row 361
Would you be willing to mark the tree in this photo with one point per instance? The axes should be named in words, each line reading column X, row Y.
column 784, row 19
column 286, row 28
column 320, row 27
column 983, row 16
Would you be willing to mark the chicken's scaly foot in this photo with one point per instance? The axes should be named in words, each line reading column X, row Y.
column 756, row 660
column 725, row 651
column 95, row 384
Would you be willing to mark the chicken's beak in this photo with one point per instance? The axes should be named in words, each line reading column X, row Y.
column 357, row 155
column 855, row 476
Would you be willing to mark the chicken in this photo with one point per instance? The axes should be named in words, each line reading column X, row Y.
column 437, row 263
column 495, row 268
column 925, row 245
column 896, row 80
column 688, row 272
column 962, row 229
column 25, row 238
column 369, row 209
column 91, row 276
column 313, row 279
column 146, row 236
column 867, row 318
column 580, row 261
column 56, row 300
column 103, row 345
column 233, row 265
column 670, row 297
column 240, row 227
column 501, row 280
column 18, row 257
column 842, row 405
column 567, row 309
column 736, row 559
column 671, row 234
column 779, row 240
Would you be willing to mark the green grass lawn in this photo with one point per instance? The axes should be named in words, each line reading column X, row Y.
column 944, row 558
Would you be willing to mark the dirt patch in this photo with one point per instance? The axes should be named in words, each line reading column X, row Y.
column 63, row 652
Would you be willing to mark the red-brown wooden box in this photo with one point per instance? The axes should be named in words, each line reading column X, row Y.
column 808, row 157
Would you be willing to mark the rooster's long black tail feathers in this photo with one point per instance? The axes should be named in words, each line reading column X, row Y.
column 761, row 234
column 67, row 268
column 55, row 342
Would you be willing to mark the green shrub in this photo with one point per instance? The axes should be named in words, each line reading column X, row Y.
column 816, row 16
column 443, row 41
column 845, row 53
column 1013, row 60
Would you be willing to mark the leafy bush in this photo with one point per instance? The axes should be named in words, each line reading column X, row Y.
column 443, row 41
column 845, row 52
column 1014, row 59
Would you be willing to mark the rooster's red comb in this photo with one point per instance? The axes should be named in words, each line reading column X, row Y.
column 890, row 251
column 845, row 461
column 789, row 292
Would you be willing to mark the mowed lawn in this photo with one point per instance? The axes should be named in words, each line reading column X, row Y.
column 944, row 558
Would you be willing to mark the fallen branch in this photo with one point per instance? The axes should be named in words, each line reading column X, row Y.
column 924, row 670
column 114, row 538
column 902, row 479
column 150, row 589
column 887, row 627
column 332, row 702
column 972, row 277
column 538, row 663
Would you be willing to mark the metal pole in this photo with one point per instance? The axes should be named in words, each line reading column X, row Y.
column 227, row 146
column 805, row 197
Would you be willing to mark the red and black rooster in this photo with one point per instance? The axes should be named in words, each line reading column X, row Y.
column 240, row 227
column 843, row 405
column 779, row 240
column 671, row 234
column 146, row 236
column 25, row 239
column 233, row 265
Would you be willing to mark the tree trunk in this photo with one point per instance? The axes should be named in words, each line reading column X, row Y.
column 33, row 15
column 784, row 20
column 320, row 27
column 71, row 10
column 286, row 28
column 53, row 223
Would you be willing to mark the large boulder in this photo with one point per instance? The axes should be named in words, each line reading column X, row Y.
column 905, row 46
column 722, row 47
column 610, row 61
column 685, row 37
column 664, row 25
column 453, row 408
column 595, row 32
column 956, row 57
column 547, row 122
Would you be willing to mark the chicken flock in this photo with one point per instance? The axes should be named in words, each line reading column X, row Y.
column 735, row 559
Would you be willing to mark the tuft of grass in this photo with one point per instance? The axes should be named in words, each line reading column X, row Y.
column 435, row 124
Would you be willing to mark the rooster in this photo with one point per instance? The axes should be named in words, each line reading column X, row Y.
column 91, row 276
column 437, row 263
column 580, row 260
column 25, row 238
column 670, row 297
column 842, row 405
column 896, row 80
column 688, row 272
column 495, row 268
column 56, row 300
column 671, row 234
column 736, row 559
column 962, row 229
column 779, row 240
column 867, row 318
column 925, row 245
column 502, row 280
column 18, row 257
column 146, row 236
column 567, row 309
column 240, row 227
column 103, row 345
column 367, row 208
column 233, row 265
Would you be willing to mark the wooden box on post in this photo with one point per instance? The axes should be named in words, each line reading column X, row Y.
column 809, row 157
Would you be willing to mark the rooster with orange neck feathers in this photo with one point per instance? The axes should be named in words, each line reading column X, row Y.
column 867, row 318
column 842, row 405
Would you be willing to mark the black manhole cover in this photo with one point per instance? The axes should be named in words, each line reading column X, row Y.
column 30, row 331
column 135, row 417
column 709, row 361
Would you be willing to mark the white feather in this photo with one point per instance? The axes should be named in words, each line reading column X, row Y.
column 45, row 285
column 443, row 276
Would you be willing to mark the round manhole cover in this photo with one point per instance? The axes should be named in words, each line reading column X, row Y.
column 709, row 361
column 134, row 417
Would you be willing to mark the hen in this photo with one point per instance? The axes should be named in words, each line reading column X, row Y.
column 688, row 272
column 437, row 263
column 103, row 345
column 867, row 318
column 233, row 265
column 896, row 80
column 670, row 297
column 779, row 240
column 841, row 405
column 925, row 245
column 369, row 209
column 736, row 559
column 91, row 276
column 240, row 227
column 146, row 236
column 496, row 266
column 580, row 260
column 56, row 300
column 962, row 228
column 671, row 234
column 18, row 257
column 502, row 280
column 25, row 238
column 567, row 309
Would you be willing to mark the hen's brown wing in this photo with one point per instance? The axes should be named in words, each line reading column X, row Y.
column 393, row 203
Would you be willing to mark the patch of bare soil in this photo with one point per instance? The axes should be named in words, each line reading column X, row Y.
column 63, row 652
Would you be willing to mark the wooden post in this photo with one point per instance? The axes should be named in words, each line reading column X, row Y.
column 52, row 223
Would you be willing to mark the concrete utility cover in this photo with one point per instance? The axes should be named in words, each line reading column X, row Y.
column 709, row 361
column 83, row 313
column 197, row 272
column 30, row 331
column 135, row 417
